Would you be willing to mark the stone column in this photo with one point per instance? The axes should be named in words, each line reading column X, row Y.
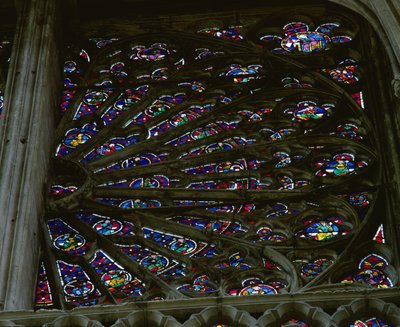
column 25, row 139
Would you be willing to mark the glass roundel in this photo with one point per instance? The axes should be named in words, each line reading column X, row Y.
column 184, row 162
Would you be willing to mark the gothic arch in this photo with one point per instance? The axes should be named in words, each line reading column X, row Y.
column 222, row 315
column 294, row 311
column 364, row 309
column 149, row 318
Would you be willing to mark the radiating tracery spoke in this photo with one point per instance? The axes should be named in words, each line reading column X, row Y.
column 195, row 160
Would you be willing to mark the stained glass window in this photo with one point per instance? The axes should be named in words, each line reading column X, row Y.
column 228, row 159
column 372, row 322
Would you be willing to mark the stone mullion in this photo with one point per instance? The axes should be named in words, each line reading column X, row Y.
column 26, row 137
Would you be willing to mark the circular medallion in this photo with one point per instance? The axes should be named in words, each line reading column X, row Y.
column 309, row 112
column 340, row 167
column 107, row 226
column 145, row 182
column 155, row 263
column 116, row 278
column 75, row 138
column 305, row 42
column 78, row 288
column 153, row 53
column 69, row 66
column 69, row 242
column 95, row 98
column 183, row 246
column 322, row 231
column 259, row 289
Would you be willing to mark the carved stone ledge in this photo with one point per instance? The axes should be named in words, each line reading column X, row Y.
column 314, row 316
column 147, row 318
column 76, row 321
column 221, row 315
column 361, row 308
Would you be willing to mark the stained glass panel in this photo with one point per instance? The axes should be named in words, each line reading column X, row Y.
column 221, row 160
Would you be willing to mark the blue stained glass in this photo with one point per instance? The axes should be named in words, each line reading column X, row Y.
column 196, row 86
column 226, row 167
column 68, row 84
column 371, row 272
column 158, row 106
column 309, row 110
column 372, row 322
column 102, row 43
column 359, row 199
column 255, row 116
column 188, row 203
column 314, row 268
column 344, row 73
column 235, row 261
column 267, row 234
column 117, row 280
column 281, row 134
column 221, row 185
column 327, row 28
column 201, row 284
column 107, row 226
column 180, row 244
column 283, row 159
column 241, row 74
column 242, row 209
column 350, row 131
column 44, row 297
column 114, row 144
column 67, row 239
column 305, row 42
column 202, row 53
column 217, row 226
column 295, row 27
column 116, row 69
column 131, row 203
column 278, row 209
column 155, row 262
column 341, row 164
column 256, row 286
column 322, row 229
column 287, row 183
column 60, row 190
column 77, row 286
column 91, row 103
column 284, row 183
column 155, row 52
column 160, row 74
column 67, row 96
column 341, row 39
column 230, row 33
column 70, row 66
column 75, row 137
column 181, row 118
column 299, row 39
column 156, row 181
column 125, row 102
column 227, row 144
column 203, row 132
column 139, row 160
